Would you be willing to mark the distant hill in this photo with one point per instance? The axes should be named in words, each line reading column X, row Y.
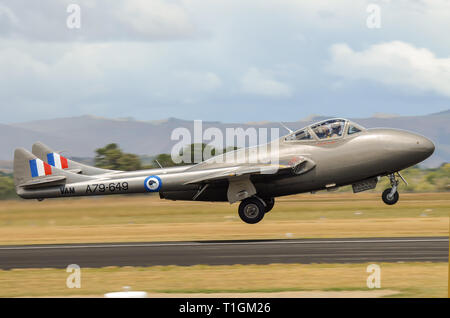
column 80, row 136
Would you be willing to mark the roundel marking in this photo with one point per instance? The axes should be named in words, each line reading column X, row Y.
column 152, row 183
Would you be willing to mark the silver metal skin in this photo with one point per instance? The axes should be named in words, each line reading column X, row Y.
column 322, row 156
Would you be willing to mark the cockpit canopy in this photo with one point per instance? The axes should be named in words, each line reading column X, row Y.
column 327, row 129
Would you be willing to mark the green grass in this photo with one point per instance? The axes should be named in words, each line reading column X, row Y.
column 408, row 279
column 147, row 218
column 147, row 210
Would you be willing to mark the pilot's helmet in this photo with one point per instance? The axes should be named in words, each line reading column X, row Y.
column 336, row 127
column 322, row 130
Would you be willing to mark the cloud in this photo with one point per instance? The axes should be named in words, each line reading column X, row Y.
column 101, row 20
column 393, row 63
column 96, row 78
column 33, row 88
column 8, row 19
column 256, row 82
column 155, row 19
column 148, row 59
column 198, row 81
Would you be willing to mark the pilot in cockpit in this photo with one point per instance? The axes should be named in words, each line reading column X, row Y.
column 322, row 132
column 336, row 130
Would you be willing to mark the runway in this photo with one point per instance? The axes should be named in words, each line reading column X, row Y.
column 303, row 251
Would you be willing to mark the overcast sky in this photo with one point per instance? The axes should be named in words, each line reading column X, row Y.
column 226, row 60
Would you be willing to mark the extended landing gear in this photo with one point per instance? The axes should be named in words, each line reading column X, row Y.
column 390, row 196
column 269, row 204
column 251, row 210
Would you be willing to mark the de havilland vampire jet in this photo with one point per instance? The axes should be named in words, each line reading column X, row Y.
column 322, row 156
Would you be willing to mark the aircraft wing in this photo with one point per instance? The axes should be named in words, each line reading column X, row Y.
column 237, row 171
column 297, row 164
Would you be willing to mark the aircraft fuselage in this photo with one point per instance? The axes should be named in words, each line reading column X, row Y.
column 339, row 162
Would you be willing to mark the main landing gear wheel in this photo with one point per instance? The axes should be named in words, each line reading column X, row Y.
column 269, row 204
column 389, row 198
column 251, row 210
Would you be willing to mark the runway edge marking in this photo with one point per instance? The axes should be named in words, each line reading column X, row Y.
column 36, row 247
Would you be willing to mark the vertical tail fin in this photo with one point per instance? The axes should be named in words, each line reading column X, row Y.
column 30, row 170
column 54, row 159
column 27, row 167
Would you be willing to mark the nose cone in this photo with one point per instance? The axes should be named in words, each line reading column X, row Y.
column 424, row 146
column 412, row 148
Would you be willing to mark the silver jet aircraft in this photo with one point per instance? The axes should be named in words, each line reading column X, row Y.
column 322, row 156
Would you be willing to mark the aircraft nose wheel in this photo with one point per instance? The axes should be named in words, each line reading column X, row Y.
column 390, row 196
column 251, row 210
